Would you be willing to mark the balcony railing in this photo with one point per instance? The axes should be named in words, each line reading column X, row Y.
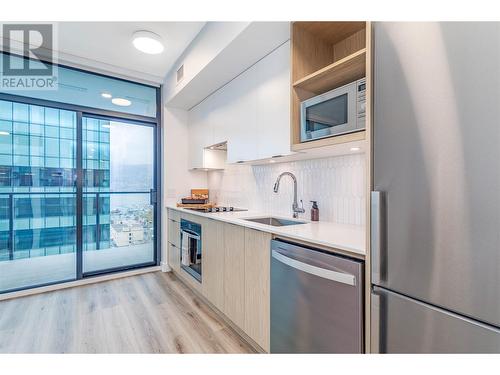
column 41, row 221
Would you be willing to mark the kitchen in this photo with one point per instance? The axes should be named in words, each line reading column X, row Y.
column 237, row 148
column 294, row 186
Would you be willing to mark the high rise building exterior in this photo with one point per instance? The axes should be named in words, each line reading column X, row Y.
column 38, row 181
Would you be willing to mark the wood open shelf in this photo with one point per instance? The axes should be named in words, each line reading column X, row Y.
column 348, row 69
column 323, row 142
column 324, row 56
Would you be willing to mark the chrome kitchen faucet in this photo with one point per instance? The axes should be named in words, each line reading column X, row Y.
column 295, row 206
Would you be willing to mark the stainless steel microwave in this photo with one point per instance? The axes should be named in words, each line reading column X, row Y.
column 339, row 111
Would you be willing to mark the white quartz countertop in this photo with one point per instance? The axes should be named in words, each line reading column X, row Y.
column 348, row 238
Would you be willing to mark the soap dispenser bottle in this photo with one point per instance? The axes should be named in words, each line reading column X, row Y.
column 314, row 211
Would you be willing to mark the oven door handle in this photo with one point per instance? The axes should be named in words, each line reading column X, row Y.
column 191, row 234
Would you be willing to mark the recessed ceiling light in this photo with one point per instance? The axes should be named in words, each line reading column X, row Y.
column 121, row 102
column 4, row 133
column 355, row 148
column 106, row 95
column 272, row 161
column 147, row 42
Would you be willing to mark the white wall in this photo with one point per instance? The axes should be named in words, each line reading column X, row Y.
column 177, row 179
column 337, row 183
column 211, row 40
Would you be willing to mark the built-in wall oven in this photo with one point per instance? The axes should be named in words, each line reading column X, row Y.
column 191, row 249
column 335, row 112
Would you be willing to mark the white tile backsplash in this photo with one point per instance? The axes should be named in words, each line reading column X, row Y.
column 337, row 183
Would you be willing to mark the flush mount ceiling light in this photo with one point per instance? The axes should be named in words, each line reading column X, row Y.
column 147, row 42
column 121, row 102
column 106, row 95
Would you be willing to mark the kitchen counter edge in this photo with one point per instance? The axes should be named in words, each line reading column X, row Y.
column 349, row 238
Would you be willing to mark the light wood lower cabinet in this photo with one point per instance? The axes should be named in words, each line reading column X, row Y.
column 173, row 240
column 234, row 273
column 213, row 262
column 257, row 286
column 174, row 232
column 174, row 257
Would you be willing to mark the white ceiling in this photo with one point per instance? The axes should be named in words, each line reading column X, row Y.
column 108, row 46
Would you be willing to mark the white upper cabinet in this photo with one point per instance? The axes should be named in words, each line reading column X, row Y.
column 199, row 135
column 218, row 115
column 251, row 113
column 242, row 116
column 273, row 103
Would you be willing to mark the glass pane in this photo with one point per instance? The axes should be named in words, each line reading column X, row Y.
column 327, row 114
column 84, row 89
column 38, row 196
column 118, row 175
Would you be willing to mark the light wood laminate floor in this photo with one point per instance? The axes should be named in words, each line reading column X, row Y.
column 149, row 313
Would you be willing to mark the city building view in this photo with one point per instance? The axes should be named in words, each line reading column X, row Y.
column 38, row 194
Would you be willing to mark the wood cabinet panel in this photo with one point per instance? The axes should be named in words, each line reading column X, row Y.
column 234, row 273
column 213, row 262
column 174, row 232
column 173, row 214
column 174, row 257
column 257, row 286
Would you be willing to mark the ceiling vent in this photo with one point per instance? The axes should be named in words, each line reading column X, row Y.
column 180, row 73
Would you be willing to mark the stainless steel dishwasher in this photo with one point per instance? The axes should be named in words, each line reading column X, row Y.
column 316, row 301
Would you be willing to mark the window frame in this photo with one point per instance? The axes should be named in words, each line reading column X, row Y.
column 84, row 111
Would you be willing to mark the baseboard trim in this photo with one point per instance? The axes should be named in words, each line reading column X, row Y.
column 72, row 284
column 165, row 267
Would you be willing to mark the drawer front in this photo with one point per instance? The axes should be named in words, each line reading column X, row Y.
column 174, row 215
column 174, row 232
column 174, row 257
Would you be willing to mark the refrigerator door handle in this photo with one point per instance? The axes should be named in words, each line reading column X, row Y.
column 375, row 324
column 344, row 278
column 377, row 235
column 378, row 324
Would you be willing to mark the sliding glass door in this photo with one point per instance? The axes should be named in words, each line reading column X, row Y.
column 77, row 195
column 118, row 195
column 78, row 178
column 37, row 195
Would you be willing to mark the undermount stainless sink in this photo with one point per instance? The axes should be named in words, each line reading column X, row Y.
column 274, row 221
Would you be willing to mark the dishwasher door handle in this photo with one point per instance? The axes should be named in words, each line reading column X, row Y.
column 344, row 278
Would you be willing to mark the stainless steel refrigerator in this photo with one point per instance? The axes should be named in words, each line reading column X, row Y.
column 436, row 205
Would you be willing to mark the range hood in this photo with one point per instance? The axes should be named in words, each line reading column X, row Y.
column 214, row 157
